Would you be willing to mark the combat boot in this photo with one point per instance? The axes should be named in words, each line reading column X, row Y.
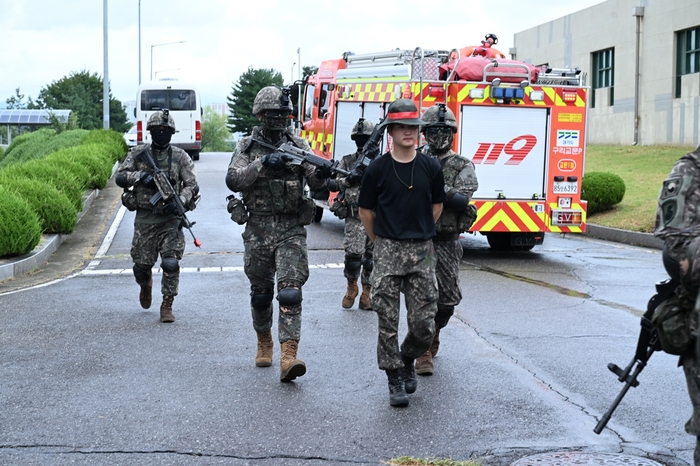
column 409, row 375
column 350, row 294
column 424, row 364
column 264, row 356
column 365, row 303
column 166, row 309
column 436, row 343
column 145, row 296
column 397, row 391
column 290, row 366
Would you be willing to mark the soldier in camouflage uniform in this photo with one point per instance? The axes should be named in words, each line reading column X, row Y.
column 678, row 224
column 157, row 229
column 275, row 233
column 400, row 200
column 457, row 216
column 357, row 245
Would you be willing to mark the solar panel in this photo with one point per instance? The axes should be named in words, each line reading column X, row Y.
column 14, row 116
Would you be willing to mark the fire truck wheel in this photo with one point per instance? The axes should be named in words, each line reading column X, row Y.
column 318, row 215
column 499, row 241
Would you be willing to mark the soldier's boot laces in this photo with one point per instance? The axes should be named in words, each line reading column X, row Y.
column 365, row 303
column 424, row 364
column 350, row 294
column 145, row 296
column 264, row 356
column 397, row 390
column 409, row 375
column 436, row 343
column 290, row 366
column 166, row 309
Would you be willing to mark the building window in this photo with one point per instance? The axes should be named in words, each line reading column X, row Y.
column 603, row 73
column 688, row 58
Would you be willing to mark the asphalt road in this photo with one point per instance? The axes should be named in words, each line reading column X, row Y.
column 88, row 377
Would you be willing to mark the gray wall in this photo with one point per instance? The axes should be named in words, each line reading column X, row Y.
column 570, row 41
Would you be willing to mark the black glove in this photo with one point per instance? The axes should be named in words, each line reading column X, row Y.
column 355, row 176
column 171, row 207
column 371, row 151
column 323, row 172
column 146, row 179
column 276, row 160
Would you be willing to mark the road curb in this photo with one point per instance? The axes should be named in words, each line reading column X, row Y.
column 616, row 235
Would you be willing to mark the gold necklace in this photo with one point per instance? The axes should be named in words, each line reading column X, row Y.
column 397, row 175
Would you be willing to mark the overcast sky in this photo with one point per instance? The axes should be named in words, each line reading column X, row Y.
column 45, row 40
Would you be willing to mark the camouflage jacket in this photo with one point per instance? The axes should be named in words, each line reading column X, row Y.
column 180, row 171
column 460, row 177
column 678, row 214
column 266, row 191
column 350, row 193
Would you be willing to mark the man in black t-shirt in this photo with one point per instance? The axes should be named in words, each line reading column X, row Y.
column 400, row 200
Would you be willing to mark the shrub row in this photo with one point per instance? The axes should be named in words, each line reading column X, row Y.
column 602, row 190
column 42, row 188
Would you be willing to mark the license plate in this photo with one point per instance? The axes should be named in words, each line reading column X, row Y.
column 565, row 187
column 567, row 217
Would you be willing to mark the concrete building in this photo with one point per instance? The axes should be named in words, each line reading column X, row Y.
column 642, row 60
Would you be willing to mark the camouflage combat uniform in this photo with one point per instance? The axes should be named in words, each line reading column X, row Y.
column 356, row 243
column 274, row 239
column 679, row 226
column 155, row 231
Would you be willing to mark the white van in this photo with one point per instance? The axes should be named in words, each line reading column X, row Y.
column 183, row 101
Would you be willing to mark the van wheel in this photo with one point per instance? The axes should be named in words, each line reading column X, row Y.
column 318, row 214
column 194, row 155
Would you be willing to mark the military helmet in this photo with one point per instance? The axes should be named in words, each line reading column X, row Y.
column 362, row 128
column 269, row 98
column 491, row 36
column 403, row 112
column 161, row 118
column 440, row 115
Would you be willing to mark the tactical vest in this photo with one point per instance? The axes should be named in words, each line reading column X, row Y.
column 449, row 221
column 169, row 163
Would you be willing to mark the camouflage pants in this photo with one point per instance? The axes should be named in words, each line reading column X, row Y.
column 403, row 267
column 357, row 243
column 691, row 368
column 276, row 245
column 449, row 254
column 165, row 239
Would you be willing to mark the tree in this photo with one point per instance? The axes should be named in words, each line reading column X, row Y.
column 215, row 135
column 308, row 71
column 17, row 101
column 240, row 102
column 82, row 93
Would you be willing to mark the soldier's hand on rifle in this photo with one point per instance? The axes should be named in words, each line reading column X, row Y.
column 371, row 150
column 323, row 172
column 146, row 179
column 276, row 160
column 355, row 177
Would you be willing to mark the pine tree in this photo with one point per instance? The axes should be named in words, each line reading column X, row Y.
column 240, row 101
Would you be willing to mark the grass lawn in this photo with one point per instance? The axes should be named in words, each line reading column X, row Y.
column 643, row 169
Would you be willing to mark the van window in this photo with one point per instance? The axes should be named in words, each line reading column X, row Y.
column 173, row 99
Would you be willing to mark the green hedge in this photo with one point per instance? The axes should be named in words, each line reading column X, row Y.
column 40, row 143
column 602, row 190
column 55, row 211
column 20, row 230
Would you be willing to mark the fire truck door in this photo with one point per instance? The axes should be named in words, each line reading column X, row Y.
column 347, row 114
column 508, row 146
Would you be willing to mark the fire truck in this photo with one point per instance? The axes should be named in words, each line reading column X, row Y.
column 523, row 127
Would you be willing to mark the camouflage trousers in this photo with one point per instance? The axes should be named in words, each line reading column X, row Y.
column 357, row 243
column 406, row 267
column 165, row 239
column 691, row 369
column 275, row 245
column 449, row 254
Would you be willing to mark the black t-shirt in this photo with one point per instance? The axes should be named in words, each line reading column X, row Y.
column 402, row 213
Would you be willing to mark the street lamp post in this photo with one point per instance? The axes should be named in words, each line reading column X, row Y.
column 139, row 42
column 292, row 74
column 158, row 45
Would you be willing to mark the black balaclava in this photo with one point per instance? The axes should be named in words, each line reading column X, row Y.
column 161, row 137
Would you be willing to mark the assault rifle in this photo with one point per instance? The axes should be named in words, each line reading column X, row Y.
column 300, row 155
column 166, row 193
column 370, row 150
column 646, row 345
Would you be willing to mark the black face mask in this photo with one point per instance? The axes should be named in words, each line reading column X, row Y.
column 161, row 139
column 361, row 140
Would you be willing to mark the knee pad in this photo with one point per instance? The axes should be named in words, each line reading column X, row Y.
column 368, row 264
column 289, row 297
column 170, row 265
column 261, row 299
column 353, row 263
column 142, row 273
